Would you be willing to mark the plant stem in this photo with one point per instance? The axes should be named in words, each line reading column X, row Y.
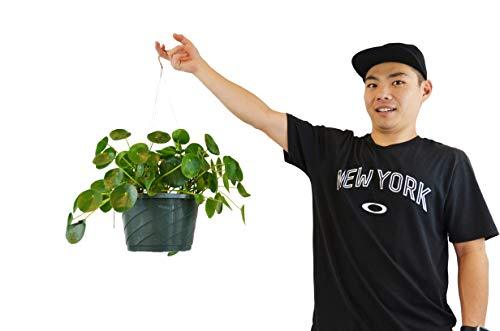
column 229, row 186
column 126, row 173
column 157, row 179
column 230, row 199
column 102, row 204
column 127, row 143
column 132, row 166
column 187, row 192
column 207, row 170
column 123, row 169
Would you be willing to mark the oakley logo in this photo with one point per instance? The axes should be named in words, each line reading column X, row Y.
column 378, row 209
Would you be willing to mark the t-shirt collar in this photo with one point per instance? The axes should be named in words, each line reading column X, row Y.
column 406, row 143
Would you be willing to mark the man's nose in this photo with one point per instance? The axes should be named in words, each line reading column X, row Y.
column 384, row 95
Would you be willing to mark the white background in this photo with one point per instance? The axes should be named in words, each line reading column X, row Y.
column 70, row 72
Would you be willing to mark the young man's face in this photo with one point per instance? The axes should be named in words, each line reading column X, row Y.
column 384, row 88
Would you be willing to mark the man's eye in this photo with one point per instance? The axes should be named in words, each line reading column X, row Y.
column 368, row 86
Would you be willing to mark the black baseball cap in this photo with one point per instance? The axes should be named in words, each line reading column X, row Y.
column 391, row 52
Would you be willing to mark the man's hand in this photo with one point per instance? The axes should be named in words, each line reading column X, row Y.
column 184, row 57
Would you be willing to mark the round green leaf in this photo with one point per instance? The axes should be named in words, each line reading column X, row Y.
column 175, row 178
column 230, row 166
column 138, row 153
column 204, row 165
column 139, row 170
column 211, row 145
column 106, row 207
column 99, row 186
column 119, row 134
column 219, row 166
column 75, row 205
column 123, row 161
column 239, row 173
column 225, row 181
column 89, row 200
column 159, row 137
column 199, row 198
column 113, row 178
column 241, row 190
column 123, row 197
column 167, row 151
column 191, row 165
column 111, row 151
column 219, row 206
column 74, row 232
column 224, row 201
column 194, row 148
column 105, row 158
column 210, row 207
column 180, row 136
column 201, row 183
column 101, row 145
column 102, row 159
column 153, row 159
column 211, row 181
column 148, row 178
column 243, row 213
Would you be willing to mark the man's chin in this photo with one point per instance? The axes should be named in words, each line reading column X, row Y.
column 385, row 127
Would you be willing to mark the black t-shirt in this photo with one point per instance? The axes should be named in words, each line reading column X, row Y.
column 381, row 217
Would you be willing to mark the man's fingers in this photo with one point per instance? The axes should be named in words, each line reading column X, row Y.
column 175, row 50
column 183, row 40
column 175, row 54
column 176, row 62
column 159, row 46
column 161, row 50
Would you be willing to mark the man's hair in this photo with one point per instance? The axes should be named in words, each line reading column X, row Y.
column 419, row 76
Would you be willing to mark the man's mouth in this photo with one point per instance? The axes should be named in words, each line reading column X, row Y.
column 385, row 109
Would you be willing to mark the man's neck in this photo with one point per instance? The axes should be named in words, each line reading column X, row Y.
column 385, row 139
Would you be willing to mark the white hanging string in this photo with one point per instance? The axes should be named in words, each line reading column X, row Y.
column 154, row 114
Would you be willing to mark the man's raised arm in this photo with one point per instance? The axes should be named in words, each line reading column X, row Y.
column 242, row 103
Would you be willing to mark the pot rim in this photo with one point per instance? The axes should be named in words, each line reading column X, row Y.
column 165, row 195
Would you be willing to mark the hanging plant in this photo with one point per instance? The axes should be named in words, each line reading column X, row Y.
column 181, row 168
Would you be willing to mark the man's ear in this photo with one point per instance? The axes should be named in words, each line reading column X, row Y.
column 427, row 89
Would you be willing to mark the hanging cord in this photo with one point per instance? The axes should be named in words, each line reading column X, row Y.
column 156, row 98
column 153, row 117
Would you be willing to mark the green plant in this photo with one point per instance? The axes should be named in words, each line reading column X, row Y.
column 141, row 170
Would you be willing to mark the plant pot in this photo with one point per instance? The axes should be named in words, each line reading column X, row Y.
column 164, row 222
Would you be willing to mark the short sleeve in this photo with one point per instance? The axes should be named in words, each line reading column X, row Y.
column 309, row 145
column 466, row 214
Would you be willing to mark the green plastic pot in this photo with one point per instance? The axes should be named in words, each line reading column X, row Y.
column 164, row 222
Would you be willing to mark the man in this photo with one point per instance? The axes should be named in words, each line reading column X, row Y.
column 384, row 203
